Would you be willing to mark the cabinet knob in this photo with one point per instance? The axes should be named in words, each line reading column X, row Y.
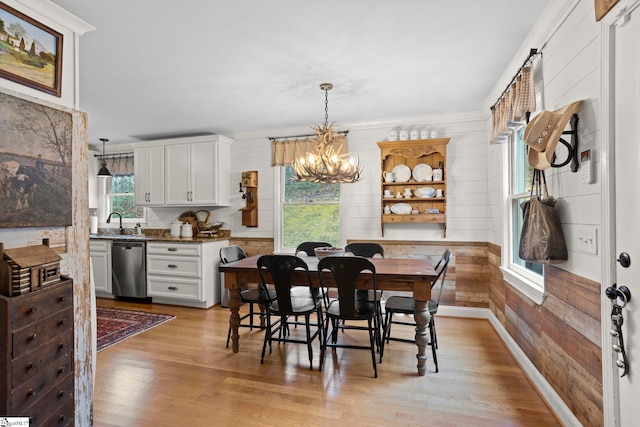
column 62, row 370
column 33, row 337
column 31, row 393
column 61, row 345
column 61, row 393
column 30, row 366
column 60, row 299
column 60, row 322
column 61, row 417
column 31, row 310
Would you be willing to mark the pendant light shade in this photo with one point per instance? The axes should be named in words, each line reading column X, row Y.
column 104, row 172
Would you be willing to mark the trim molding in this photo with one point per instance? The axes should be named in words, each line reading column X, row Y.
column 554, row 401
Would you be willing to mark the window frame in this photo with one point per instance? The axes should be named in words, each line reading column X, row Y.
column 521, row 278
column 104, row 203
column 279, row 204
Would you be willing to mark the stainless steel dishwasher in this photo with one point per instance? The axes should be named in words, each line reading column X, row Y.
column 129, row 269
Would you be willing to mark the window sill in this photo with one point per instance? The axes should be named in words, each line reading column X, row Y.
column 524, row 285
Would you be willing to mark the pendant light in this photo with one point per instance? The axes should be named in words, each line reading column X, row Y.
column 324, row 164
column 104, row 172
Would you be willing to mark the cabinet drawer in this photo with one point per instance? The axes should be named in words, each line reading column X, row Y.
column 33, row 390
column 183, row 249
column 164, row 287
column 173, row 266
column 391, row 218
column 38, row 360
column 36, row 334
column 39, row 304
column 44, row 415
column 99, row 245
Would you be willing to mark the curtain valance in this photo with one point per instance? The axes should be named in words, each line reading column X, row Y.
column 285, row 151
column 120, row 165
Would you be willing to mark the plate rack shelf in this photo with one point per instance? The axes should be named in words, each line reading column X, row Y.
column 432, row 152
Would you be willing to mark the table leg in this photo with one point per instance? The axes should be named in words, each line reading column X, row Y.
column 421, row 317
column 231, row 283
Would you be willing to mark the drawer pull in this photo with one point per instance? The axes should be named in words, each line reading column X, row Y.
column 31, row 393
column 61, row 393
column 60, row 322
column 61, row 418
column 60, row 299
column 30, row 365
column 173, row 288
column 31, row 310
column 61, row 370
column 33, row 337
column 61, row 346
column 172, row 249
column 172, row 266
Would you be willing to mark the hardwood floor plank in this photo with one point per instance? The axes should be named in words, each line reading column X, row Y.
column 180, row 373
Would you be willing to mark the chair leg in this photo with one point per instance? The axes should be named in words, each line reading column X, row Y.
column 434, row 344
column 251, row 316
column 307, row 318
column 267, row 337
column 372, row 342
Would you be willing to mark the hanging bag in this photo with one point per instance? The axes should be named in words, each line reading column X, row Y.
column 542, row 239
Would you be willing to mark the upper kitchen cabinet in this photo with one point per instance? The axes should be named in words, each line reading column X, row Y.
column 197, row 171
column 149, row 173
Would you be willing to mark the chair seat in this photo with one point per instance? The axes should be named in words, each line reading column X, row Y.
column 363, row 310
column 299, row 306
column 407, row 305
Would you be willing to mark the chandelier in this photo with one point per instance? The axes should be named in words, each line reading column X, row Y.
column 324, row 164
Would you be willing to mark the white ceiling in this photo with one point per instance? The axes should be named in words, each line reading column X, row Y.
column 162, row 68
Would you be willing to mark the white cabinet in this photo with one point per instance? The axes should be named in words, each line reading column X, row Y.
column 197, row 172
column 149, row 174
column 184, row 273
column 100, row 252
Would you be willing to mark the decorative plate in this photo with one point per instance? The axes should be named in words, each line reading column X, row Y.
column 422, row 172
column 425, row 192
column 401, row 208
column 402, row 173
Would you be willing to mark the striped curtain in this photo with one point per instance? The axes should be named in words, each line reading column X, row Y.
column 118, row 165
column 511, row 109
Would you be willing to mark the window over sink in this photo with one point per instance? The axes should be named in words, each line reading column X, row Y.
column 116, row 194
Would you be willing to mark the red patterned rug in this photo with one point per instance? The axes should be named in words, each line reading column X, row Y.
column 116, row 325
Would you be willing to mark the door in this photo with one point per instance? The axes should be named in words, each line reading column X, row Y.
column 203, row 173
column 177, row 174
column 149, row 176
column 627, row 177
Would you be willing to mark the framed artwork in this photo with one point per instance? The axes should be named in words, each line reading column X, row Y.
column 30, row 52
column 603, row 7
column 35, row 164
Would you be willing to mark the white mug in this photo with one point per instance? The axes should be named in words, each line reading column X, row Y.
column 439, row 192
column 387, row 193
column 437, row 174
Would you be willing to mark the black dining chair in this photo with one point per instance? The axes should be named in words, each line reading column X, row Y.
column 344, row 272
column 248, row 295
column 308, row 248
column 281, row 269
column 406, row 305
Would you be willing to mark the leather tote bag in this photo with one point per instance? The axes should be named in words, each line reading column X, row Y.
column 542, row 239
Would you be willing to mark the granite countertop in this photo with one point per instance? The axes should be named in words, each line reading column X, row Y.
column 159, row 235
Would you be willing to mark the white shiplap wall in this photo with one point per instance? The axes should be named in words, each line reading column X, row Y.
column 571, row 72
column 466, row 181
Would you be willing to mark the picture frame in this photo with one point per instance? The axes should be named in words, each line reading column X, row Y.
column 30, row 52
column 602, row 7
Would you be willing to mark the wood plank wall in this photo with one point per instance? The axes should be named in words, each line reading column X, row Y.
column 561, row 337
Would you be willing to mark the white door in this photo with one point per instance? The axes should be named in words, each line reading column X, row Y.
column 627, row 187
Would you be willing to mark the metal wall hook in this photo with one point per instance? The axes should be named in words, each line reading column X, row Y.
column 571, row 147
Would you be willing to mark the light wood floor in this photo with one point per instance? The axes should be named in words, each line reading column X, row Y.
column 181, row 374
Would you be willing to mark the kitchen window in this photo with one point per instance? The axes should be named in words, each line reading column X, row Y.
column 120, row 199
column 524, row 275
column 309, row 211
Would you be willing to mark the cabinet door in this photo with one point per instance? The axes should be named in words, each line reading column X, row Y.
column 101, row 263
column 149, row 176
column 177, row 174
column 203, row 173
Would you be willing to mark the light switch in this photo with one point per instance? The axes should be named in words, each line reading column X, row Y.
column 587, row 239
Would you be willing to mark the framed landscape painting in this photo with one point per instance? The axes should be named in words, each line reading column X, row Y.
column 30, row 52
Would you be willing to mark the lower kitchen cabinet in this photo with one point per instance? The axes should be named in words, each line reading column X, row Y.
column 184, row 273
column 100, row 251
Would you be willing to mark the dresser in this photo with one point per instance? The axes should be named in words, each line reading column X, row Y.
column 36, row 355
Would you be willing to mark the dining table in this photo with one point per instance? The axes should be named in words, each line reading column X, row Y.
column 392, row 274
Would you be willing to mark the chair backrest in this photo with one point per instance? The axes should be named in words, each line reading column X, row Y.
column 441, row 268
column 231, row 253
column 308, row 247
column 281, row 269
column 345, row 272
column 367, row 250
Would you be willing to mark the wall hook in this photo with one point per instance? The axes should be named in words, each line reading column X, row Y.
column 572, row 147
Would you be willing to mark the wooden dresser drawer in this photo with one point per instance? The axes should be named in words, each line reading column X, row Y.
column 39, row 359
column 34, row 389
column 173, row 266
column 40, row 304
column 36, row 334
column 55, row 407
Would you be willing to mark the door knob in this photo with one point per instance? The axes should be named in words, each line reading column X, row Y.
column 624, row 259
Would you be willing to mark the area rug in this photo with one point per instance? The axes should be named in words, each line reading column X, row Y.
column 116, row 325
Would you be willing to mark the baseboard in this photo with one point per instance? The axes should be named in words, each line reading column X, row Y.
column 554, row 401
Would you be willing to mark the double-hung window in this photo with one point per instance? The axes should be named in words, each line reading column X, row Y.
column 310, row 211
column 120, row 198
column 524, row 275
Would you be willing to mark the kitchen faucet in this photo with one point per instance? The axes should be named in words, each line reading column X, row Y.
column 120, row 215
